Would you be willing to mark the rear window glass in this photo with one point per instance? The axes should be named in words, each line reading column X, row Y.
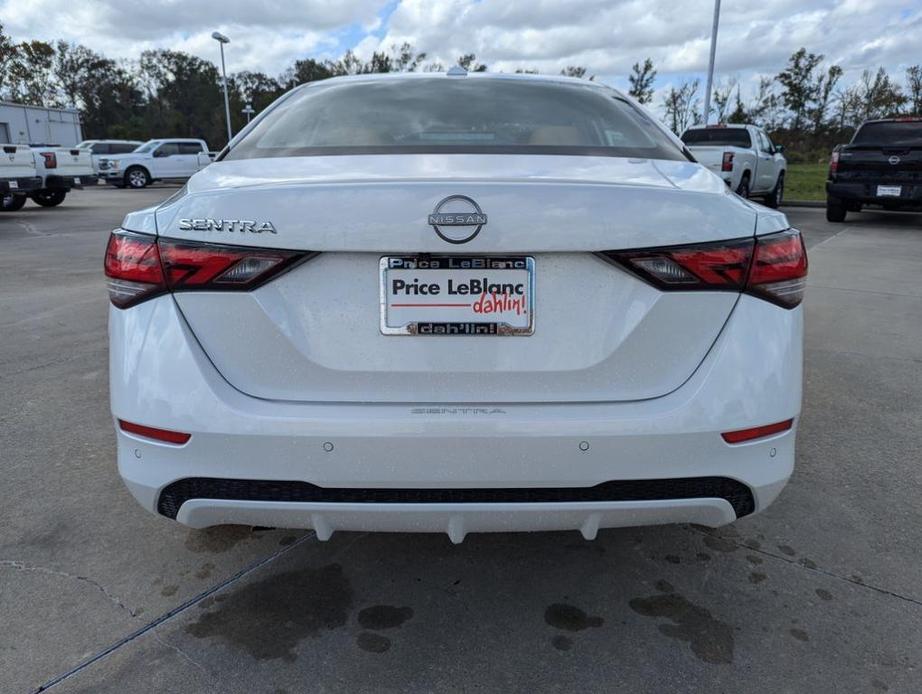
column 893, row 134
column 121, row 148
column 717, row 137
column 455, row 115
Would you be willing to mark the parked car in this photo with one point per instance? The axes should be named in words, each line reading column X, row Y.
column 455, row 303
column 61, row 170
column 881, row 166
column 104, row 148
column 743, row 156
column 173, row 159
column 18, row 177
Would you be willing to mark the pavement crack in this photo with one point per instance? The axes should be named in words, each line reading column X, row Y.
column 170, row 614
column 824, row 572
column 22, row 566
column 182, row 654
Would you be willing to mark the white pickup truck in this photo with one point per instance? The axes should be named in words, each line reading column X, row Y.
column 58, row 169
column 156, row 160
column 18, row 177
column 743, row 156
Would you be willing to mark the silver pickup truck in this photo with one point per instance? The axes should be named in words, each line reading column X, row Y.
column 743, row 156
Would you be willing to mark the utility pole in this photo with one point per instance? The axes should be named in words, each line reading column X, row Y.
column 222, row 39
column 710, row 80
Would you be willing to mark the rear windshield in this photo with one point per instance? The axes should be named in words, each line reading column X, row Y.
column 455, row 115
column 892, row 134
column 718, row 137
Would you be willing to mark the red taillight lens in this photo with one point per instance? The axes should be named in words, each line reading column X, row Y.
column 133, row 269
column 773, row 267
column 140, row 266
column 779, row 269
column 834, row 163
column 726, row 163
column 743, row 435
column 51, row 160
column 175, row 437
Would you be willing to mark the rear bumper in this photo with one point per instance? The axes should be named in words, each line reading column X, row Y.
column 453, row 469
column 866, row 193
column 24, row 184
column 58, row 182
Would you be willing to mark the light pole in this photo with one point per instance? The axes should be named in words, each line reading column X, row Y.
column 710, row 80
column 249, row 111
column 222, row 39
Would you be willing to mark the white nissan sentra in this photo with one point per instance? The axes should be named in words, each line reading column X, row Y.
column 455, row 303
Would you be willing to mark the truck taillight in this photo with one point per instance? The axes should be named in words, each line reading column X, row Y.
column 141, row 266
column 727, row 163
column 833, row 163
column 51, row 160
column 771, row 267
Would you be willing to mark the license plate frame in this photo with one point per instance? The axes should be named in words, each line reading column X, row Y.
column 454, row 266
column 889, row 191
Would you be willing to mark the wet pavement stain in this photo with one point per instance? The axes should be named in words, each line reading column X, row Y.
column 799, row 634
column 268, row 618
column 823, row 594
column 787, row 549
column 720, row 544
column 373, row 643
column 752, row 543
column 710, row 639
column 756, row 577
column 753, row 559
column 808, row 563
column 169, row 591
column 672, row 559
column 205, row 570
column 218, row 539
column 570, row 618
column 703, row 556
column 384, row 617
column 562, row 643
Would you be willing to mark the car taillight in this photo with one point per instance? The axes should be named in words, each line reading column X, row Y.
column 141, row 266
column 779, row 269
column 51, row 160
column 727, row 163
column 833, row 163
column 772, row 267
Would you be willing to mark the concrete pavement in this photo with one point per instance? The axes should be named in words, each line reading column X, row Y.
column 821, row 592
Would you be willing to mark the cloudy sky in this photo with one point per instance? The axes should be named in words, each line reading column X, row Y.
column 605, row 36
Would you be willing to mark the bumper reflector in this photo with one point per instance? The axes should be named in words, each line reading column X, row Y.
column 744, row 435
column 175, row 437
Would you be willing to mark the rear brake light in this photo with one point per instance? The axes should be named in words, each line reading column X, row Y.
column 176, row 437
column 760, row 432
column 772, row 267
column 726, row 163
column 140, row 266
column 834, row 162
column 51, row 160
column 779, row 269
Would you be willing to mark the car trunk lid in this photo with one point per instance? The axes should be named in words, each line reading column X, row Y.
column 314, row 333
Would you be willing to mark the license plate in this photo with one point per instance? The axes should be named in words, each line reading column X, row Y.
column 13, row 185
column 889, row 191
column 76, row 180
column 457, row 295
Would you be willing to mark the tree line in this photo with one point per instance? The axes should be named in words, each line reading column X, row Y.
column 167, row 92
column 804, row 106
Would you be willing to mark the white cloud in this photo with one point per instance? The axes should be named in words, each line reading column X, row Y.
column 606, row 36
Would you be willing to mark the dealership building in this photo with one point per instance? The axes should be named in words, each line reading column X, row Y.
column 20, row 124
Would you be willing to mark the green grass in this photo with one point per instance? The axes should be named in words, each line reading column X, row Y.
column 805, row 182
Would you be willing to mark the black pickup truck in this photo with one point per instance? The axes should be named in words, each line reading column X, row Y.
column 881, row 166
